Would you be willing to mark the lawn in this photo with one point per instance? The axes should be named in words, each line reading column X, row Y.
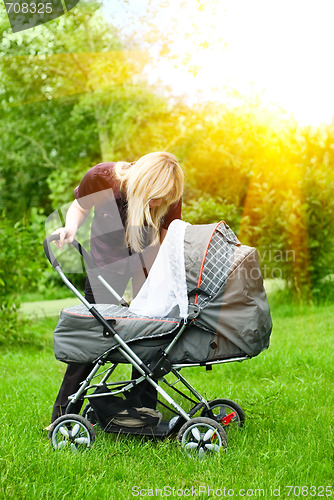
column 286, row 393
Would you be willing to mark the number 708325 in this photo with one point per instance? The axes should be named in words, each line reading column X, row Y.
column 29, row 8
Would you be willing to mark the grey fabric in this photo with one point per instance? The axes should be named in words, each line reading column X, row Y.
column 240, row 311
column 195, row 243
column 215, row 244
column 218, row 261
column 232, row 319
column 78, row 337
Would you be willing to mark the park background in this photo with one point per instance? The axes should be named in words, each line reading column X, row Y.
column 112, row 81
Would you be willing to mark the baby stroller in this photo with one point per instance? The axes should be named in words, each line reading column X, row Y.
column 228, row 319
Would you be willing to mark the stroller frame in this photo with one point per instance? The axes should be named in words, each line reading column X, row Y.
column 203, row 434
column 123, row 386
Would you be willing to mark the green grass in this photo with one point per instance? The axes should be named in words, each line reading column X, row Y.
column 50, row 287
column 286, row 392
column 56, row 293
column 43, row 308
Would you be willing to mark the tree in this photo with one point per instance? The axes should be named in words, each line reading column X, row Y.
column 58, row 96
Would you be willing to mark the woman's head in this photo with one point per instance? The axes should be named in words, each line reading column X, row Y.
column 152, row 184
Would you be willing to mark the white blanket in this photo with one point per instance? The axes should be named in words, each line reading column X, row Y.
column 165, row 286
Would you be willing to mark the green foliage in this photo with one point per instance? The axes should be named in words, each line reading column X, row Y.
column 56, row 90
column 206, row 210
column 69, row 102
column 289, row 214
column 21, row 261
column 12, row 325
column 20, row 258
column 272, row 182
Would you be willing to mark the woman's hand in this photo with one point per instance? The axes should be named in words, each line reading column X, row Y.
column 75, row 217
column 66, row 235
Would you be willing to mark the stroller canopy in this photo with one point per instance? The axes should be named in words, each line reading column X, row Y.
column 225, row 284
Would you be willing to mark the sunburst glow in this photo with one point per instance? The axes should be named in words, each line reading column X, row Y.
column 279, row 51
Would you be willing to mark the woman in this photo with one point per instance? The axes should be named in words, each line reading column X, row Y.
column 133, row 207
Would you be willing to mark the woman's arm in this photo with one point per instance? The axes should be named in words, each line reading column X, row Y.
column 75, row 217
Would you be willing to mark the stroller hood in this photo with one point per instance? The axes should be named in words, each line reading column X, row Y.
column 225, row 286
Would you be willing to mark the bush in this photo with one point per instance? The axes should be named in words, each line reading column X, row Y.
column 273, row 183
column 21, row 264
column 21, row 258
column 206, row 210
column 292, row 226
column 11, row 323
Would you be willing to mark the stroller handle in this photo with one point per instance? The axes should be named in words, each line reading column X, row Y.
column 51, row 257
column 89, row 263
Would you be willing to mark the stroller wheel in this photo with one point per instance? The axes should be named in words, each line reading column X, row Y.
column 202, row 436
column 226, row 412
column 89, row 414
column 72, row 432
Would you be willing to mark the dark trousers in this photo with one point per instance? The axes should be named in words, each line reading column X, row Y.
column 76, row 373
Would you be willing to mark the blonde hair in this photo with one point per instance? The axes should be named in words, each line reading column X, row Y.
column 154, row 176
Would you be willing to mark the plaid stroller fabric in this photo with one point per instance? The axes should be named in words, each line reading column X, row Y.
column 218, row 262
